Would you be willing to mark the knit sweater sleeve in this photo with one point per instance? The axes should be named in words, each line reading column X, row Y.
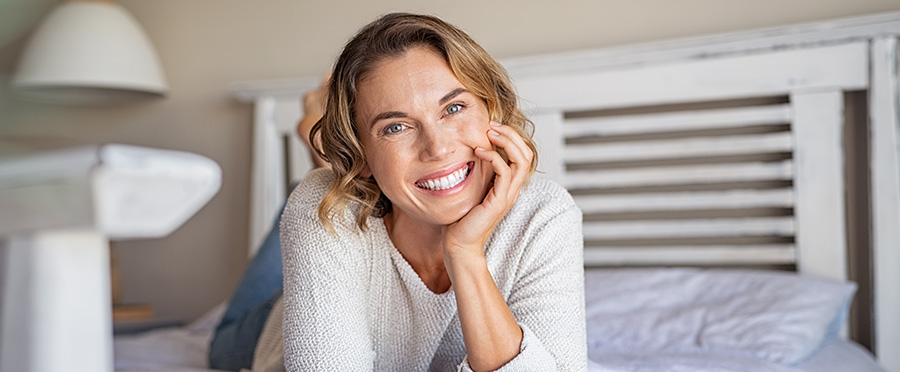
column 547, row 298
column 325, row 325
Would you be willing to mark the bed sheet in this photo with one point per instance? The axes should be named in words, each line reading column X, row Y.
column 715, row 320
column 841, row 355
column 837, row 356
column 170, row 349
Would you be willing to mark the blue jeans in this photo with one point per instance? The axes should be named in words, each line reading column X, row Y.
column 236, row 336
column 234, row 343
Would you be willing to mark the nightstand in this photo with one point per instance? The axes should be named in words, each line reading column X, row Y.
column 58, row 211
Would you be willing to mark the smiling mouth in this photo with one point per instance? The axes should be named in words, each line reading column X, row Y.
column 447, row 182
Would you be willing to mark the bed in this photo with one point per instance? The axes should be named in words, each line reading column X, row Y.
column 740, row 193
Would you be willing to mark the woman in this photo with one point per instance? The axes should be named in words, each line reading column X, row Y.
column 425, row 247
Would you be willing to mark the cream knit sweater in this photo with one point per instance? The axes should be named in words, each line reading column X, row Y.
column 353, row 303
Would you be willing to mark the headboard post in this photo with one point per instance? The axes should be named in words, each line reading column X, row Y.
column 884, row 112
column 548, row 138
column 267, row 187
column 819, row 182
column 279, row 156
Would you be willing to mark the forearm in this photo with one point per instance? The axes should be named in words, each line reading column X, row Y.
column 490, row 332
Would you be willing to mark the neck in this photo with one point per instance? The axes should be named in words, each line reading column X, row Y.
column 421, row 246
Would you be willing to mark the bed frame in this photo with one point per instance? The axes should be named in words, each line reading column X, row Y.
column 774, row 148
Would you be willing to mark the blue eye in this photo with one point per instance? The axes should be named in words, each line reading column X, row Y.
column 393, row 128
column 454, row 108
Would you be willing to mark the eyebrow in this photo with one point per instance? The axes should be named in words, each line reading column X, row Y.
column 387, row 115
column 452, row 95
column 398, row 114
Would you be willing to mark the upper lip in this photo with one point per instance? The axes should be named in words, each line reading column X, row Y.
column 444, row 171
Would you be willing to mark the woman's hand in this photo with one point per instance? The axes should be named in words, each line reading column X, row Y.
column 473, row 230
column 490, row 332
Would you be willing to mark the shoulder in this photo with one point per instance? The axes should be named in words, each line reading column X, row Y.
column 542, row 231
column 303, row 203
column 545, row 196
column 312, row 189
column 301, row 213
column 542, row 204
column 305, row 239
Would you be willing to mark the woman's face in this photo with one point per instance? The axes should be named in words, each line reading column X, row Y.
column 419, row 128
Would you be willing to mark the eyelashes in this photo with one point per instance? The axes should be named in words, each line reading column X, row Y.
column 398, row 127
column 454, row 108
column 393, row 128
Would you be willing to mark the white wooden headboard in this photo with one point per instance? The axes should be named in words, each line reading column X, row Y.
column 729, row 157
column 280, row 158
column 740, row 149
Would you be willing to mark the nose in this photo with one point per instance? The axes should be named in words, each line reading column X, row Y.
column 436, row 142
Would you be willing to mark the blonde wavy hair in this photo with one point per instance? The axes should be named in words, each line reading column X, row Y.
column 391, row 36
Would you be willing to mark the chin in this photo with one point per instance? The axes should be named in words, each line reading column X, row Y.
column 457, row 213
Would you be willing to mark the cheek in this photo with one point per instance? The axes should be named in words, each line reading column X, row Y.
column 386, row 164
column 476, row 134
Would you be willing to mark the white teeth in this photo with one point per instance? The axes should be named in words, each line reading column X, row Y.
column 446, row 182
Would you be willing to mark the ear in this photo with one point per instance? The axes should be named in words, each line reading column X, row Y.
column 366, row 172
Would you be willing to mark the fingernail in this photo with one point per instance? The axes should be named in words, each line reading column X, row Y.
column 495, row 124
column 494, row 132
column 478, row 148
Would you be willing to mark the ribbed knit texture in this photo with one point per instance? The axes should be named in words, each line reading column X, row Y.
column 353, row 303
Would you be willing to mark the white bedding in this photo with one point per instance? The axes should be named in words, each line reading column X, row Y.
column 841, row 355
column 171, row 349
column 836, row 356
column 673, row 320
column 640, row 320
column 776, row 316
column 184, row 350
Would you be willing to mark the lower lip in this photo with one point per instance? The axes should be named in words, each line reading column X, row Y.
column 453, row 189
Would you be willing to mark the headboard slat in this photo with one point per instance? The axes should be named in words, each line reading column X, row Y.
column 716, row 173
column 679, row 148
column 668, row 121
column 776, row 198
column 692, row 255
column 778, row 226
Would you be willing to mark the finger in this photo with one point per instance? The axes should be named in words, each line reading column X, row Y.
column 504, row 137
column 502, row 171
column 505, row 191
column 512, row 143
column 519, row 154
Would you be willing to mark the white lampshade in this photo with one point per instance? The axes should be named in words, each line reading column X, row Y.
column 88, row 52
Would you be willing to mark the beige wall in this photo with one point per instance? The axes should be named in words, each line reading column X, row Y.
column 207, row 44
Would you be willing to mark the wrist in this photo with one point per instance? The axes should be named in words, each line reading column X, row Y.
column 464, row 263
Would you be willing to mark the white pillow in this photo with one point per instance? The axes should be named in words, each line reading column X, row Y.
column 776, row 316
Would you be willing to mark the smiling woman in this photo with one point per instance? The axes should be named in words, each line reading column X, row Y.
column 433, row 139
column 432, row 248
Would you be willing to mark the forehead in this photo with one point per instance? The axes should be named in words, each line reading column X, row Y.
column 420, row 75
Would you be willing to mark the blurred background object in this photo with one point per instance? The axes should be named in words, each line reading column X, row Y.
column 89, row 52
